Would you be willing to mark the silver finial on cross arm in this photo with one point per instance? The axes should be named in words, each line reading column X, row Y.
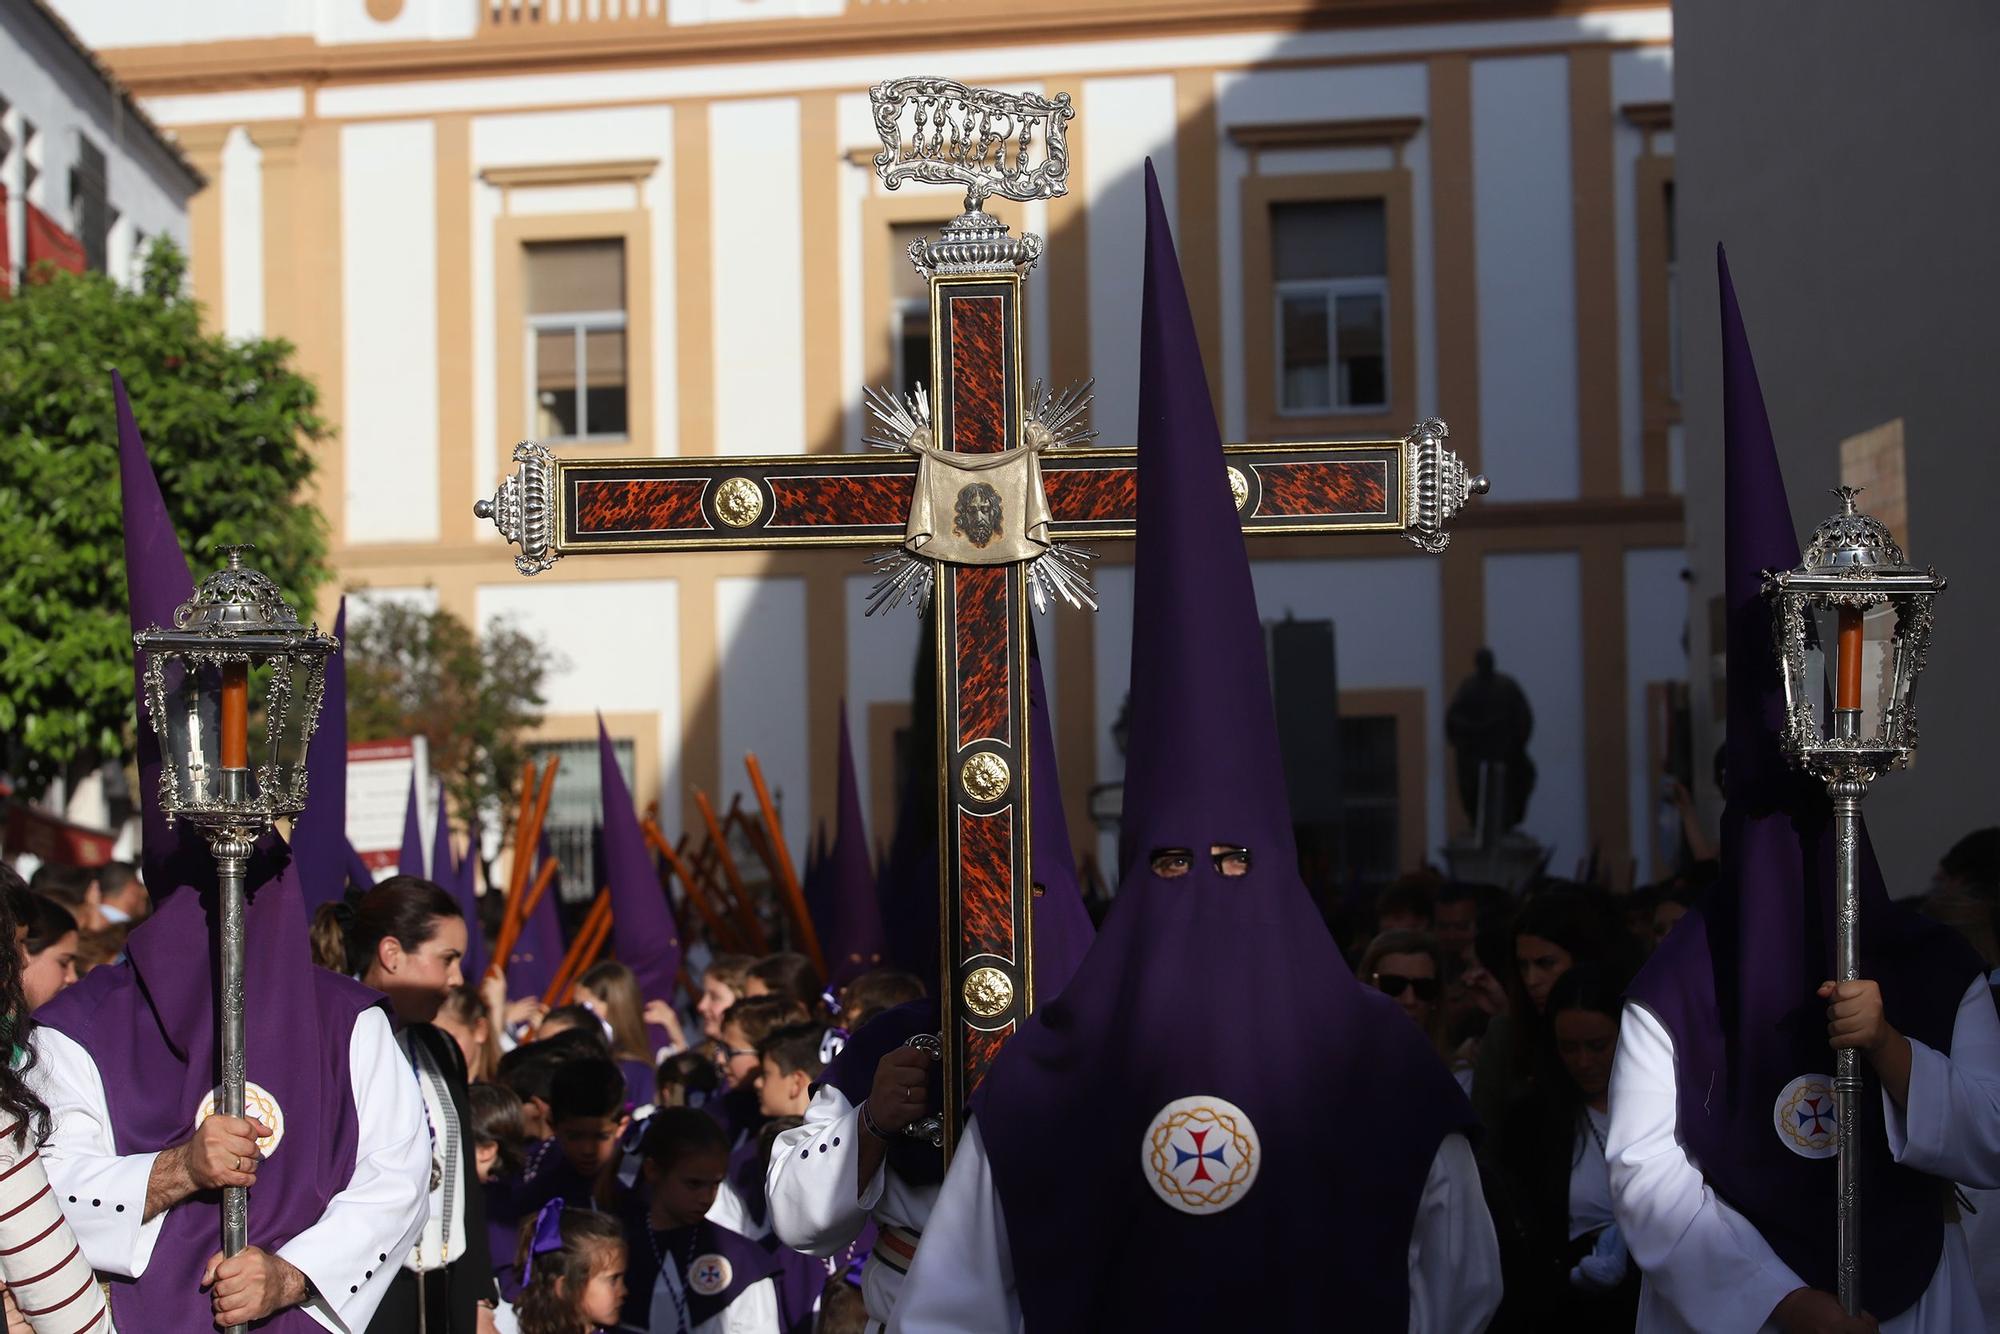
column 1438, row 484
column 524, row 508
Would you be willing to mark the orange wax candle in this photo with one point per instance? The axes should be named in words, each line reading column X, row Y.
column 1847, row 691
column 236, row 715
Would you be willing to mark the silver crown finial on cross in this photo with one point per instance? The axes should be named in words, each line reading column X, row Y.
column 1008, row 144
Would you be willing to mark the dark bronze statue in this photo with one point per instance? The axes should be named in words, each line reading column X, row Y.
column 1488, row 725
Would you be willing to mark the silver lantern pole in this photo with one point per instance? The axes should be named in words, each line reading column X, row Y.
column 1860, row 614
column 234, row 691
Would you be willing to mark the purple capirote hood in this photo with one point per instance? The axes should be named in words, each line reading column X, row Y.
column 319, row 836
column 1736, row 982
column 643, row 934
column 156, row 582
column 1205, row 986
column 852, row 937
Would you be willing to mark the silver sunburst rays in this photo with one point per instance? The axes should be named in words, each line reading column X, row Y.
column 1054, row 421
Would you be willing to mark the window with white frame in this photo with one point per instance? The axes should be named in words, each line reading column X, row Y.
column 1330, row 275
column 909, row 309
column 576, row 339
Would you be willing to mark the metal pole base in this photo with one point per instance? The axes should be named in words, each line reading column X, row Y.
column 232, row 856
column 1847, row 795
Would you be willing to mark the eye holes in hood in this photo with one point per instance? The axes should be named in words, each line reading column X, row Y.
column 1229, row 859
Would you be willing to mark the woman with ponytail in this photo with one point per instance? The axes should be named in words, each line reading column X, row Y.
column 405, row 938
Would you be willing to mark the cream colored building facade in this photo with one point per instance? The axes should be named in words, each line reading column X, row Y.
column 418, row 192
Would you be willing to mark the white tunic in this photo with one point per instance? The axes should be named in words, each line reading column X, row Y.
column 963, row 1279
column 379, row 1213
column 755, row 1310
column 1706, row 1267
column 818, row 1203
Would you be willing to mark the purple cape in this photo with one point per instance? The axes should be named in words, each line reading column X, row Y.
column 149, row 1025
column 1208, row 987
column 1736, row 982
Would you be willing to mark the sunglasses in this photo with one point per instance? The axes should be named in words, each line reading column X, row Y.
column 1392, row 984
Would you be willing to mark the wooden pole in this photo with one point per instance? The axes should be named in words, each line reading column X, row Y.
column 787, row 878
column 745, row 913
column 582, row 951
column 723, row 934
column 527, row 834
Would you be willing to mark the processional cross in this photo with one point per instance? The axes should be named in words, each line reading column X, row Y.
column 979, row 489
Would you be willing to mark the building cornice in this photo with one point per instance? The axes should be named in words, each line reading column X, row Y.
column 503, row 48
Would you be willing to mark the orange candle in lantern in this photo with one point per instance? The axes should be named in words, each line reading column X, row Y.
column 236, row 715
column 1847, row 690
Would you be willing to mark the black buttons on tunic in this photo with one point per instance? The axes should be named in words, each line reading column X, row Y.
column 121, row 1208
column 836, row 1141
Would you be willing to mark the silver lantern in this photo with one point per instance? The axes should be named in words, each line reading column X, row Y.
column 234, row 691
column 1853, row 625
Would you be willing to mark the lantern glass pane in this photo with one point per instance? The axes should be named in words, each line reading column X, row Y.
column 285, row 715
column 1876, row 676
column 193, row 727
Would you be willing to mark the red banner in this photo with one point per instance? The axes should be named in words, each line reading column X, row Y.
column 54, row 839
column 47, row 241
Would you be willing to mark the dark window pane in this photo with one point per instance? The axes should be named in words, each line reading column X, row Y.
column 913, row 348
column 1303, row 358
column 1361, row 352
column 606, row 405
column 1329, row 238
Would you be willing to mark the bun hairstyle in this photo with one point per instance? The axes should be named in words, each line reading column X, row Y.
column 559, row 1249
column 495, row 1112
column 405, row 907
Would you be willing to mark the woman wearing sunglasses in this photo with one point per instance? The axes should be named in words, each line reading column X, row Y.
column 1407, row 967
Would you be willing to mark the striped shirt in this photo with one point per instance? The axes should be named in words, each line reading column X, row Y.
column 40, row 1262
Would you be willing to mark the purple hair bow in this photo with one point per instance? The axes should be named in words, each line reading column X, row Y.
column 548, row 1236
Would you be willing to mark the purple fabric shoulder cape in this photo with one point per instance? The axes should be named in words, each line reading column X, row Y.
column 1205, row 987
column 1735, row 983
column 149, row 1025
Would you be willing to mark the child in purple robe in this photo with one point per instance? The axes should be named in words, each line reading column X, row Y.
column 688, row 1273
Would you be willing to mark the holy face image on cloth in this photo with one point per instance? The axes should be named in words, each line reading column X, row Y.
column 978, row 515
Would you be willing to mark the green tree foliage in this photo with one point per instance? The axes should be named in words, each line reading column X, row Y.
column 230, row 427
column 473, row 697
